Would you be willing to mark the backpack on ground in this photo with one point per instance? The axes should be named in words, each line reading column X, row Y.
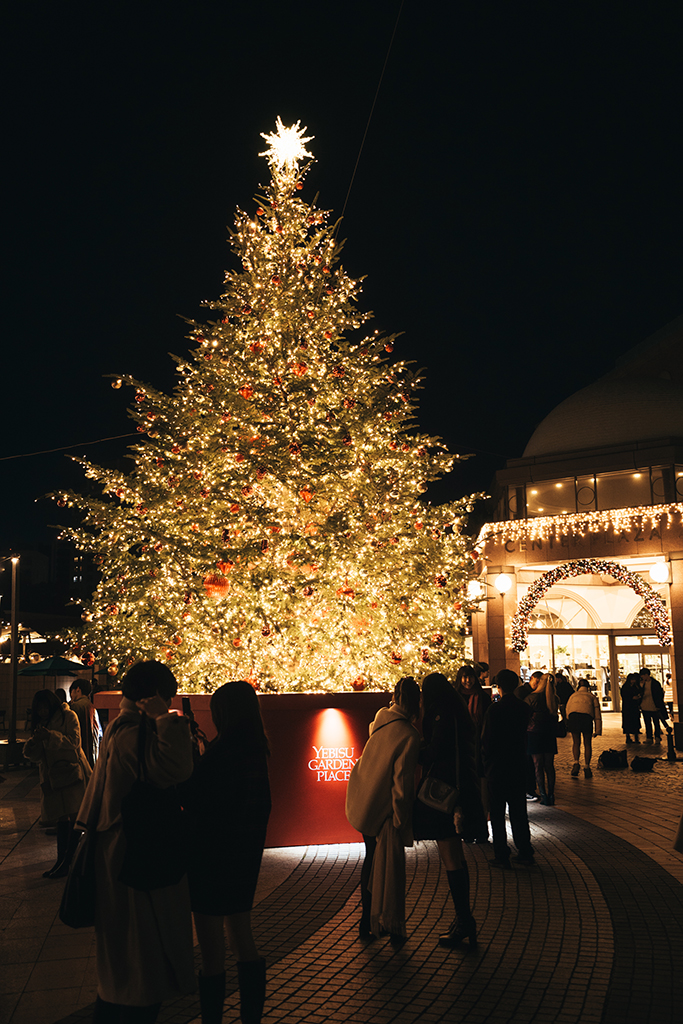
column 643, row 764
column 613, row 759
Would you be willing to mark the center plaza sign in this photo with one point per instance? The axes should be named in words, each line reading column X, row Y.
column 315, row 739
column 333, row 764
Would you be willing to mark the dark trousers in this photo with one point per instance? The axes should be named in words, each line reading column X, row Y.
column 510, row 792
column 652, row 718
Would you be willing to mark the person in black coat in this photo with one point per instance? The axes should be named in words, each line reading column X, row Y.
column 227, row 801
column 447, row 753
column 631, row 696
column 503, row 748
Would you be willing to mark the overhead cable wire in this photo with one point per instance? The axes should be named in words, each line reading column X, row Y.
column 64, row 448
column 372, row 109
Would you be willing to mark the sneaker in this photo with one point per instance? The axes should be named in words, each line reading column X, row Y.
column 531, row 797
column 576, row 768
column 527, row 862
column 587, row 773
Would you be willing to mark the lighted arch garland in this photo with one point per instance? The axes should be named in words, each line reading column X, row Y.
column 580, row 567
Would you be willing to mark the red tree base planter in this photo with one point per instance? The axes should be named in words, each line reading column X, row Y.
column 315, row 739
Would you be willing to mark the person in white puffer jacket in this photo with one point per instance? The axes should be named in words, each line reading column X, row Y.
column 584, row 718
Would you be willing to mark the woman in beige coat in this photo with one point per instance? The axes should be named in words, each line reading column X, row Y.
column 379, row 804
column 144, row 938
column 55, row 745
column 584, row 718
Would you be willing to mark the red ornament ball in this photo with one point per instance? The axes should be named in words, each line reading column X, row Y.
column 216, row 586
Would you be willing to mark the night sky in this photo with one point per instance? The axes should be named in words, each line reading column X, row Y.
column 517, row 206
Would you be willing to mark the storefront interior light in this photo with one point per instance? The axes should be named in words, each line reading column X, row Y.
column 502, row 582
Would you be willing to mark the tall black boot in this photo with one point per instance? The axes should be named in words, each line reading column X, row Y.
column 64, row 830
column 212, row 997
column 139, row 1014
column 252, row 981
column 464, row 926
column 106, row 1013
column 62, row 869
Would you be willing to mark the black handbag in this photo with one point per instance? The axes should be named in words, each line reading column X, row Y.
column 437, row 794
column 77, row 909
column 156, row 854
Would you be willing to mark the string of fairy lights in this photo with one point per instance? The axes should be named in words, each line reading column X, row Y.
column 521, row 622
column 580, row 524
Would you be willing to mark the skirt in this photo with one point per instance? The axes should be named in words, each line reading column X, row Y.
column 431, row 824
column 541, row 742
column 223, row 874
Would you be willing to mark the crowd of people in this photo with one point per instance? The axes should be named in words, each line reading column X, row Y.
column 151, row 878
column 476, row 757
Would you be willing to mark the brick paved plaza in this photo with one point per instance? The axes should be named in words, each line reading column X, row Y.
column 593, row 933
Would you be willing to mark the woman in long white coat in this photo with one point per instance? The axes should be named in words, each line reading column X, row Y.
column 379, row 804
column 144, row 938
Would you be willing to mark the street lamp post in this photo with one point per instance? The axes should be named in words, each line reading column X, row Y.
column 13, row 750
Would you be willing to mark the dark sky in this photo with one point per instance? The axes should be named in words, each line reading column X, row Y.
column 517, row 207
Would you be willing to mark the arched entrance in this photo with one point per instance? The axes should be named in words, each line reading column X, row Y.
column 584, row 566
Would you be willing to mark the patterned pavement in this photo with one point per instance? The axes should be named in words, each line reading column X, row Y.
column 592, row 934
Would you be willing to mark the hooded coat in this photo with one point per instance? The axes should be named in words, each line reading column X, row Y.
column 382, row 782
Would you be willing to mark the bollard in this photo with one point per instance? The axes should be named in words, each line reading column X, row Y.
column 670, row 750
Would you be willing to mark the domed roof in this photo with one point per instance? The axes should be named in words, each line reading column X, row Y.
column 640, row 400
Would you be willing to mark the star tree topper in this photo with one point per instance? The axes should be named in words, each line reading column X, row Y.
column 286, row 147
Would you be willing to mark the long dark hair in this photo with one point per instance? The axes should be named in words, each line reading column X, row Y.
column 45, row 699
column 237, row 716
column 440, row 697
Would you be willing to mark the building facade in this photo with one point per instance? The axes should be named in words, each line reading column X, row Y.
column 582, row 569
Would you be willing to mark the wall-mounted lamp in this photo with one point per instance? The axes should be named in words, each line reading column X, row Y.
column 659, row 573
column 502, row 582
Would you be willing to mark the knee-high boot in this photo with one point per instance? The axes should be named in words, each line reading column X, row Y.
column 139, row 1014
column 64, row 830
column 106, row 1013
column 252, row 981
column 464, row 926
column 212, row 997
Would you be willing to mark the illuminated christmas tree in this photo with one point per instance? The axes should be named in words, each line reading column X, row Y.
column 272, row 527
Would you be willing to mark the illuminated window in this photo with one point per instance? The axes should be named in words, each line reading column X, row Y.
column 623, row 490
